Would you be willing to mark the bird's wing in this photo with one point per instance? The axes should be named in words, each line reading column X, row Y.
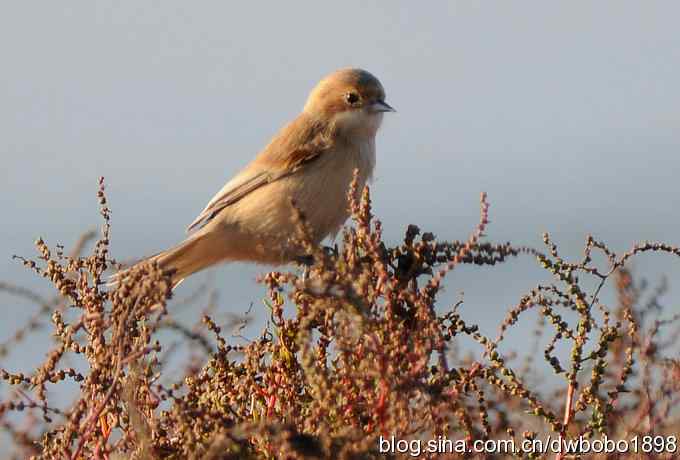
column 298, row 144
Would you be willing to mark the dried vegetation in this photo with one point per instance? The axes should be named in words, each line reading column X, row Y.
column 353, row 351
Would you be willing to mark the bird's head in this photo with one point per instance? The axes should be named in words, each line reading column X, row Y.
column 352, row 100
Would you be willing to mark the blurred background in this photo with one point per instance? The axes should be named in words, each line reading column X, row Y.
column 566, row 113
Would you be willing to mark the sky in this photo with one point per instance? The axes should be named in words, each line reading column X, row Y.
column 566, row 113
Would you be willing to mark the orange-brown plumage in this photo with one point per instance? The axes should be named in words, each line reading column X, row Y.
column 311, row 160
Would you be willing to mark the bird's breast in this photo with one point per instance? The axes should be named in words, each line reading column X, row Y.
column 325, row 186
column 264, row 217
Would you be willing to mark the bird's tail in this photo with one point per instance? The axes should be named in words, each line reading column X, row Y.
column 190, row 256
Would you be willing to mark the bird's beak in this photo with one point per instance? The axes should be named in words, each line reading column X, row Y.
column 381, row 106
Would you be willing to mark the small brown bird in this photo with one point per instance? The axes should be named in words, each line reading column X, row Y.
column 311, row 161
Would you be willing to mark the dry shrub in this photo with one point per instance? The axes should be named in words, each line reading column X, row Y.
column 361, row 353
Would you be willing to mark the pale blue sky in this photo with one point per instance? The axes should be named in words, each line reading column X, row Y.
column 566, row 113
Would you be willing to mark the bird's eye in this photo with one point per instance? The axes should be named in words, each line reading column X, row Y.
column 352, row 98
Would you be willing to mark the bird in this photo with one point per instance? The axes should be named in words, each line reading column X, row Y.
column 311, row 162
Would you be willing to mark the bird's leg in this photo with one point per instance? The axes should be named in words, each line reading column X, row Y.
column 331, row 251
column 305, row 262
